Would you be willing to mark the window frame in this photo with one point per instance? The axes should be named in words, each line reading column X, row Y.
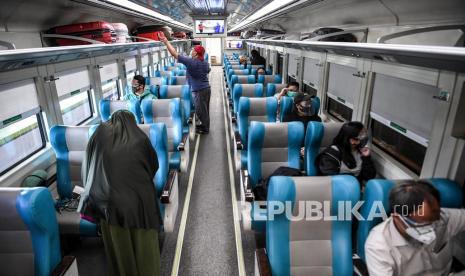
column 41, row 126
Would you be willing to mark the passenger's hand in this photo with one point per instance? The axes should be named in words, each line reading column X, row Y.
column 162, row 37
column 284, row 91
column 365, row 151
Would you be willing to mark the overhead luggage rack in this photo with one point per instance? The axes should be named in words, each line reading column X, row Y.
column 438, row 57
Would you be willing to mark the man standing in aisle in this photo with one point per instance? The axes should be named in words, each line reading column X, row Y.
column 197, row 77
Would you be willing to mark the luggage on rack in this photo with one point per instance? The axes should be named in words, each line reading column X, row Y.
column 180, row 35
column 151, row 32
column 121, row 31
column 98, row 30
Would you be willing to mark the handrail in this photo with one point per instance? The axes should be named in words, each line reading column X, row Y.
column 382, row 39
column 141, row 38
column 72, row 37
column 316, row 38
column 7, row 44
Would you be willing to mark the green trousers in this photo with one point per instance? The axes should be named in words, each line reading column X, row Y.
column 131, row 252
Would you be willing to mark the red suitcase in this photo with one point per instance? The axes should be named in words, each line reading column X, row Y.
column 151, row 32
column 99, row 30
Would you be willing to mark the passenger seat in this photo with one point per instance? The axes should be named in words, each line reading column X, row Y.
column 270, row 146
column 29, row 238
column 251, row 109
column 108, row 107
column 308, row 247
column 168, row 111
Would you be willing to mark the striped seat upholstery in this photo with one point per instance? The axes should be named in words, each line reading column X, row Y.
column 314, row 246
column 107, row 107
column 29, row 237
column 246, row 90
column 318, row 136
column 252, row 109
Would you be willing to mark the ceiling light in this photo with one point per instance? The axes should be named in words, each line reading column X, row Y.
column 142, row 10
column 271, row 7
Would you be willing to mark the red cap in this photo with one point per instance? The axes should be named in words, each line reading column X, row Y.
column 200, row 51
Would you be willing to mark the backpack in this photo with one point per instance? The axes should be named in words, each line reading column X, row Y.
column 261, row 190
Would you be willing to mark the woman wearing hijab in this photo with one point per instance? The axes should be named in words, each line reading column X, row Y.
column 118, row 171
column 348, row 154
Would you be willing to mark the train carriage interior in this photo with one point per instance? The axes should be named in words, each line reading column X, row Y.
column 249, row 196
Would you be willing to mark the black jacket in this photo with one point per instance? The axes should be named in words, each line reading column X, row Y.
column 258, row 60
column 329, row 161
column 293, row 116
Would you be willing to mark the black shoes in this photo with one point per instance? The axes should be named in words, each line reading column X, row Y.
column 201, row 131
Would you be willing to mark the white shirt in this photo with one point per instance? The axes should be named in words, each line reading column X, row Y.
column 389, row 253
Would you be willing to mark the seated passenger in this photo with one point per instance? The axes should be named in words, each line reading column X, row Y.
column 256, row 58
column 291, row 90
column 260, row 71
column 349, row 154
column 416, row 238
column 118, row 170
column 302, row 110
column 243, row 61
column 139, row 90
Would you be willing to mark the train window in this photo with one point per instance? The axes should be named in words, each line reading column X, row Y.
column 110, row 90
column 131, row 69
column 311, row 72
column 339, row 111
column 145, row 65
column 292, row 66
column 290, row 79
column 309, row 90
column 21, row 128
column 74, row 94
column 409, row 132
column 280, row 63
column 408, row 152
column 343, row 87
column 109, row 78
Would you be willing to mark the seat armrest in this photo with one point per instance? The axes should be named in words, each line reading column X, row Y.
column 166, row 193
column 263, row 264
column 237, row 138
column 191, row 118
column 248, row 192
column 233, row 117
column 360, row 267
column 65, row 266
column 181, row 145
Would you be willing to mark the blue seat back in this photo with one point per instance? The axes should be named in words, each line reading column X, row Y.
column 108, row 107
column 255, row 109
column 246, row 90
column 170, row 68
column 179, row 72
column 377, row 190
column 242, row 79
column 318, row 136
column 273, row 88
column 272, row 145
column 178, row 80
column 156, row 82
column 265, row 79
column 159, row 139
column 238, row 72
column 164, row 73
column 310, row 247
column 285, row 106
column 69, row 143
column 178, row 91
column 29, row 237
column 166, row 111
